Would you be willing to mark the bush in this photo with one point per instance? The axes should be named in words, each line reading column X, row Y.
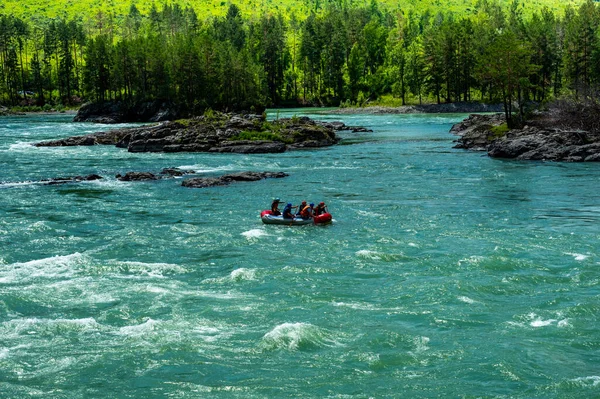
column 500, row 130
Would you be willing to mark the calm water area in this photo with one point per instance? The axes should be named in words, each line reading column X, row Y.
column 445, row 274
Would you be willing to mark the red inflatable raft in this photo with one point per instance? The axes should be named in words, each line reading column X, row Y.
column 268, row 218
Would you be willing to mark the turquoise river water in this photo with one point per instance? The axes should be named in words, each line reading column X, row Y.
column 446, row 274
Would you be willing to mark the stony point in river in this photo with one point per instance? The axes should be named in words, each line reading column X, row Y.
column 216, row 132
column 564, row 132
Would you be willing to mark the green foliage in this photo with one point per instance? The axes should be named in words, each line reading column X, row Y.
column 254, row 136
column 500, row 130
column 315, row 53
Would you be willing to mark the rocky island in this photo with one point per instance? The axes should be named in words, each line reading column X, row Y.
column 217, row 132
column 565, row 131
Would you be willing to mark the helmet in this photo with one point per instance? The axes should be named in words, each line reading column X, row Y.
column 303, row 202
column 289, row 204
column 277, row 200
column 311, row 204
column 321, row 203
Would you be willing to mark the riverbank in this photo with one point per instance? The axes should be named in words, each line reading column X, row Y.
column 564, row 132
column 459, row 107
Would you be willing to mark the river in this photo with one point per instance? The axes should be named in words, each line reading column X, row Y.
column 444, row 274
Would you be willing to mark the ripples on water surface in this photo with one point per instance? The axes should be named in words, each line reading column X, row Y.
column 445, row 273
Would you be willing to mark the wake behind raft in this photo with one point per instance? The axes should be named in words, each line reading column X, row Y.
column 268, row 218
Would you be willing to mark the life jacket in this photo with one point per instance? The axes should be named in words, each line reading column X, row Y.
column 319, row 210
column 305, row 212
column 299, row 209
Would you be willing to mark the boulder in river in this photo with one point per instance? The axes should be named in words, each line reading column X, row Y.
column 136, row 176
column 202, row 182
column 560, row 133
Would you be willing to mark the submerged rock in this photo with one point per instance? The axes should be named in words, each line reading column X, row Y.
column 58, row 180
column 216, row 132
column 137, row 176
column 202, row 182
column 176, row 172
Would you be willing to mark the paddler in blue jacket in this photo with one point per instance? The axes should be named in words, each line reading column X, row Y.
column 287, row 211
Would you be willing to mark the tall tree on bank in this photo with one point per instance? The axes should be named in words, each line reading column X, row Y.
column 506, row 65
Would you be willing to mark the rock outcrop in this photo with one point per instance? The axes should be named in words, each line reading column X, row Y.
column 197, row 182
column 58, row 180
column 202, row 182
column 137, row 176
column 216, row 132
column 548, row 135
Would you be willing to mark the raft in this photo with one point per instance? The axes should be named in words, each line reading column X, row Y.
column 268, row 218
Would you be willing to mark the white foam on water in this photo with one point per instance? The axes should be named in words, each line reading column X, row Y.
column 254, row 234
column 421, row 344
column 206, row 169
column 356, row 306
column 379, row 256
column 39, row 226
column 110, row 183
column 156, row 290
column 140, row 329
column 243, row 274
column 369, row 214
column 592, row 380
column 4, row 353
column 564, row 323
column 369, row 357
column 16, row 328
column 471, row 260
column 296, row 336
column 536, row 321
column 17, row 184
column 49, row 268
column 157, row 270
column 368, row 254
column 542, row 323
column 578, row 257
column 23, row 146
column 466, row 299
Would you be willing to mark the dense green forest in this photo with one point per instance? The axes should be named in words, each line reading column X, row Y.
column 118, row 9
column 343, row 54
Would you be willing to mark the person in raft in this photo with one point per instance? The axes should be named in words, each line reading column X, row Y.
column 306, row 212
column 287, row 211
column 300, row 208
column 320, row 209
column 275, row 207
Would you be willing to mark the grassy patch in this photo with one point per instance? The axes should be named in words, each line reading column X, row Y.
column 184, row 122
column 499, row 131
column 255, row 136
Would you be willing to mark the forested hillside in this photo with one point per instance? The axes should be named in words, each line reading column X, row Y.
column 342, row 54
column 87, row 9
